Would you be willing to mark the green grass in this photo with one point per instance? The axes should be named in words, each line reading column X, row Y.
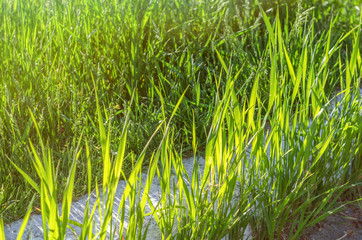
column 88, row 84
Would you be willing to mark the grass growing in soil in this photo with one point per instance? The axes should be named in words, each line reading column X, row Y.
column 97, row 91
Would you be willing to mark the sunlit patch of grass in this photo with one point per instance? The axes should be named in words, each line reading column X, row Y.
column 221, row 70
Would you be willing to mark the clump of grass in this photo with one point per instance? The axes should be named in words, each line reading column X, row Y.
column 288, row 177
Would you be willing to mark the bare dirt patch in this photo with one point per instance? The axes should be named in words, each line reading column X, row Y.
column 346, row 225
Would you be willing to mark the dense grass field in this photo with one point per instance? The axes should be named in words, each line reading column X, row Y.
column 95, row 91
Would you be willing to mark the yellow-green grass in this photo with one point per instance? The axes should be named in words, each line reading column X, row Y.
column 237, row 69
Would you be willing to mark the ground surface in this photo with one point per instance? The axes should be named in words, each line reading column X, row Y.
column 346, row 225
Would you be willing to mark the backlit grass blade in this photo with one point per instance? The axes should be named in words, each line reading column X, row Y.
column 89, row 168
column 353, row 61
column 273, row 80
column 295, row 81
column 68, row 192
column 252, row 103
column 267, row 23
column 221, row 61
column 2, row 231
column 105, row 143
column 27, row 178
column 152, row 169
column 25, row 220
